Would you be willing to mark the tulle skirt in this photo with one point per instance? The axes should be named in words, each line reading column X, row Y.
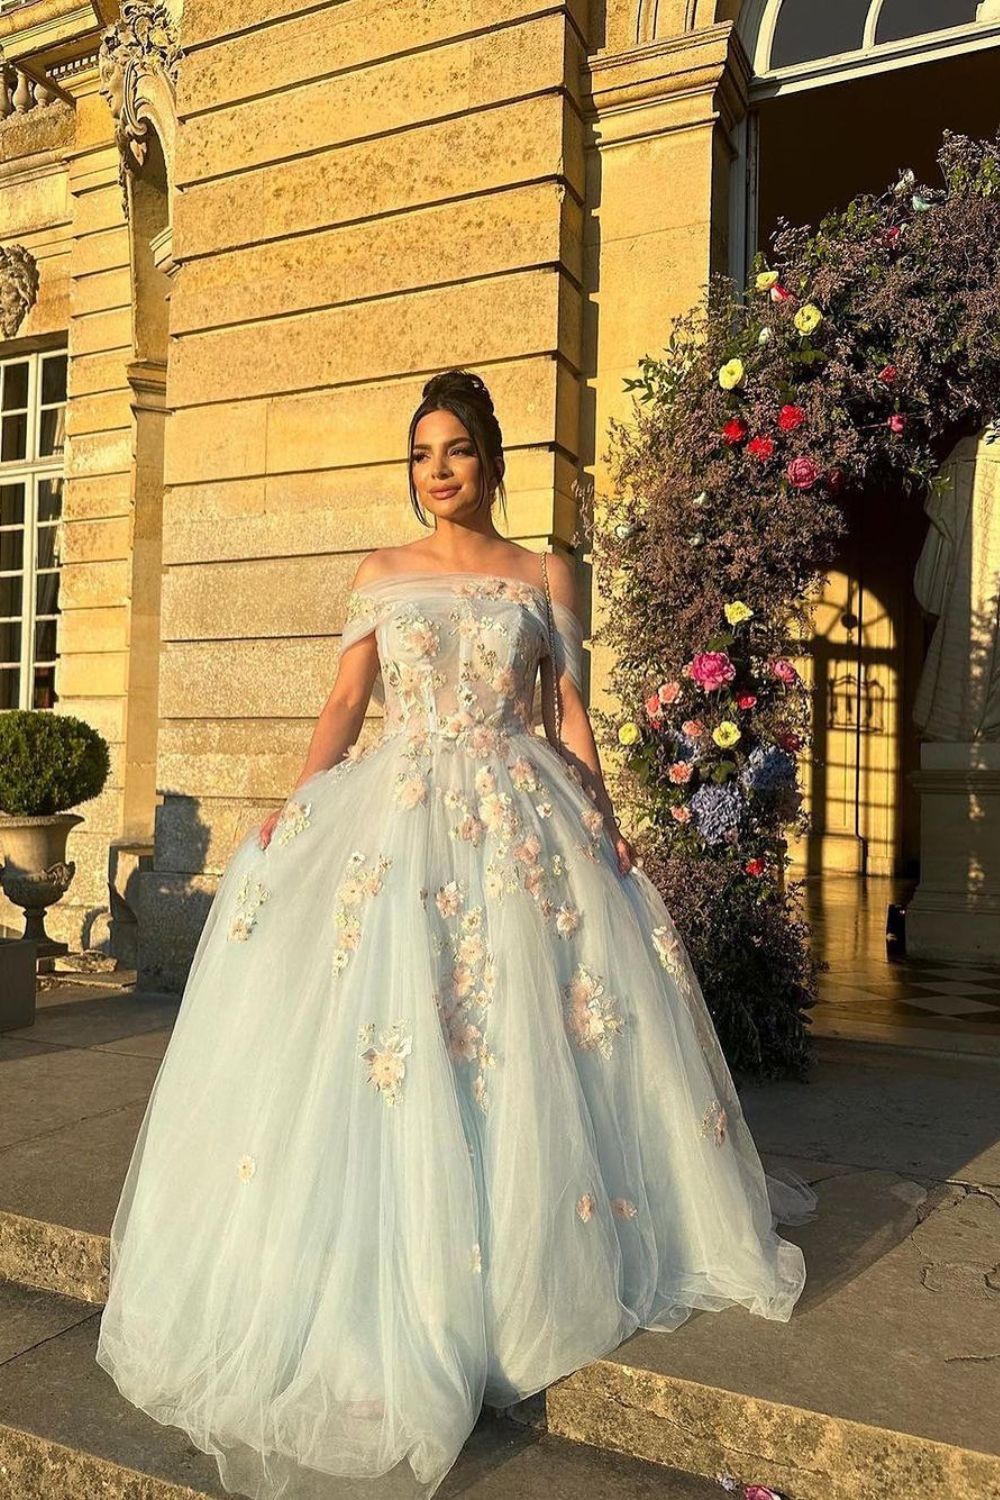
column 443, row 1117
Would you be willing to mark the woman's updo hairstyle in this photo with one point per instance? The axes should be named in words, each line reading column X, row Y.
column 466, row 396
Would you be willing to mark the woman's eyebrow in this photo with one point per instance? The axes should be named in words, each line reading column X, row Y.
column 450, row 441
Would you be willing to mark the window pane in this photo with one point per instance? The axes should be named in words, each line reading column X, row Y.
column 51, row 431
column 11, row 595
column 11, row 551
column 45, row 640
column 15, row 386
column 46, row 549
column 10, row 643
column 50, row 499
column 13, row 438
column 11, row 504
column 10, row 678
column 46, row 593
column 44, row 695
column 903, row 18
column 53, row 379
column 806, row 30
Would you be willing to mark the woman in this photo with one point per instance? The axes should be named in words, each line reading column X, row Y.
column 443, row 1115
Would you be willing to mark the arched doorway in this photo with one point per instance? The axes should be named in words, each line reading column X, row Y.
column 843, row 98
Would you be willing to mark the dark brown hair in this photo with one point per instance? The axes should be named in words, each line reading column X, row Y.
column 466, row 396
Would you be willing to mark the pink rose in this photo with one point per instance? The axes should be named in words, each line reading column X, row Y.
column 693, row 729
column 712, row 670
column 668, row 692
column 759, row 1492
column 897, row 422
column 681, row 814
column 784, row 671
column 653, row 706
column 802, row 473
column 680, row 772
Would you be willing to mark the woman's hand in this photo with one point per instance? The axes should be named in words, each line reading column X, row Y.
column 267, row 827
column 624, row 851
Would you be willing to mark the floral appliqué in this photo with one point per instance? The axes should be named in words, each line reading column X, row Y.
column 464, row 1000
column 714, row 1122
column 387, row 1061
column 585, row 1206
column 249, row 897
column 352, row 894
column 293, row 818
column 592, row 1019
column 245, row 1168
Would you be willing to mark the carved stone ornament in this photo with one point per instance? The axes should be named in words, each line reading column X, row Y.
column 18, row 287
column 142, row 42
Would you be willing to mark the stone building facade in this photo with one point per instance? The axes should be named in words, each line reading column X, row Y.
column 235, row 240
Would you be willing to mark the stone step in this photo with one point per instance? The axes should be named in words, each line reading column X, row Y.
column 885, row 1384
column 65, row 1431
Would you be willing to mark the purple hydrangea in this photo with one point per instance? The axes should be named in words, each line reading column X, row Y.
column 717, row 810
column 768, row 769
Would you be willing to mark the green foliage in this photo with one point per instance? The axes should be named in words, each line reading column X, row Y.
column 49, row 762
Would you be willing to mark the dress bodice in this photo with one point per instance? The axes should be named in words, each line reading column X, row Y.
column 459, row 652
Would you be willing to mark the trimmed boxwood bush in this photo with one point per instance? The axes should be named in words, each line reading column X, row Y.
column 48, row 762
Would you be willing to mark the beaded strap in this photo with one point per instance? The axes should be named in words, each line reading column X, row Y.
column 557, row 710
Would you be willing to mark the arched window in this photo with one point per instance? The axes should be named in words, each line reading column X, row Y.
column 786, row 36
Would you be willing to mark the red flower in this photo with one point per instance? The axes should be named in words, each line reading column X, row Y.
column 897, row 422
column 891, row 235
column 887, row 374
column 746, row 700
column 761, row 447
column 788, row 740
column 754, row 867
column 781, row 293
column 735, row 430
column 790, row 417
column 836, row 480
column 802, row 473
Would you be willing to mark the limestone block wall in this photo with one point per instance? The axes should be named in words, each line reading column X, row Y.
column 59, row 196
column 365, row 194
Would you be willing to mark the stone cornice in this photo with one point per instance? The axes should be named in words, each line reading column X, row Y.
column 682, row 80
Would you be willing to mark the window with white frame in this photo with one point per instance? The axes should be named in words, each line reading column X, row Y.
column 32, row 428
column 801, row 33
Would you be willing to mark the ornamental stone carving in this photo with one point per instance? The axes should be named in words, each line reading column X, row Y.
column 140, row 47
column 18, row 287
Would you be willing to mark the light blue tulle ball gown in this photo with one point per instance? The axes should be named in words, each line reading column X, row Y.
column 443, row 1115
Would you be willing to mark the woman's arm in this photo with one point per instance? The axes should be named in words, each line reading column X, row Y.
column 579, row 747
column 342, row 715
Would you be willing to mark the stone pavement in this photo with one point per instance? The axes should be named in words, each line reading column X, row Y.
column 884, row 1383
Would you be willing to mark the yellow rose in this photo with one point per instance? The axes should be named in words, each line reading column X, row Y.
column 766, row 280
column 731, row 374
column 737, row 612
column 629, row 732
column 726, row 735
column 808, row 317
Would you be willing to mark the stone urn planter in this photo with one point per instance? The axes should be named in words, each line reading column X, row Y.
column 35, row 872
column 49, row 762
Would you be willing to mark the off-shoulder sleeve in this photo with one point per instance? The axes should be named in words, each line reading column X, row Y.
column 568, row 642
column 568, row 655
column 360, row 619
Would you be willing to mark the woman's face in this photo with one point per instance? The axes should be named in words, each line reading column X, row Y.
column 444, row 465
